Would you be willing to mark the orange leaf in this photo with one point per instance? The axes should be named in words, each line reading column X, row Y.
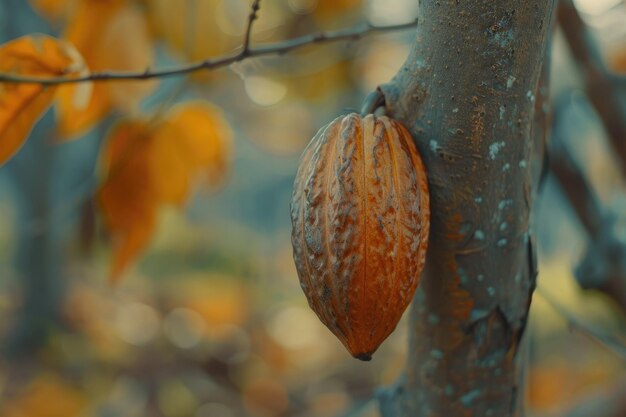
column 21, row 105
column 204, row 136
column 151, row 164
column 128, row 53
column 169, row 166
column 112, row 35
column 131, row 243
column 191, row 142
column 126, row 197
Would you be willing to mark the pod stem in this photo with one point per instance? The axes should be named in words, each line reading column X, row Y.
column 374, row 103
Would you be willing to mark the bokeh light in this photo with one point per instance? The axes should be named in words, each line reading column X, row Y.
column 209, row 319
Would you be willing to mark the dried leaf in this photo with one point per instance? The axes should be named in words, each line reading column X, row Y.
column 130, row 244
column 126, row 197
column 21, row 105
column 112, row 35
column 169, row 166
column 74, row 120
column 148, row 165
column 193, row 142
column 128, row 53
column 205, row 138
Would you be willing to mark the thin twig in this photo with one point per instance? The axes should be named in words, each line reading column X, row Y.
column 608, row 341
column 256, row 5
column 277, row 48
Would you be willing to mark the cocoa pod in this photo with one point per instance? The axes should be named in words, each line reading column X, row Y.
column 360, row 220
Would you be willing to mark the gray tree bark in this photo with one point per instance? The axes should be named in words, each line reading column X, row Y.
column 467, row 93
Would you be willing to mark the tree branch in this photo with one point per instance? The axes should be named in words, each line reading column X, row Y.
column 256, row 5
column 603, row 267
column 277, row 48
column 571, row 179
column 602, row 86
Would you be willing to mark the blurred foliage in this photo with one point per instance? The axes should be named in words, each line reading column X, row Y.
column 99, row 30
column 149, row 163
column 21, row 105
column 211, row 320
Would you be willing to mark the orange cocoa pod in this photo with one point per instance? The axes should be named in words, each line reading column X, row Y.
column 360, row 216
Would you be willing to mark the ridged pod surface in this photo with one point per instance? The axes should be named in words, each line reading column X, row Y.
column 360, row 216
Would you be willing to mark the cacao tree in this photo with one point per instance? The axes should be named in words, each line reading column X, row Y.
column 472, row 96
column 472, row 119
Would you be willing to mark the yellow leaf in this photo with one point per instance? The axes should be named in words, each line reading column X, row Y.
column 205, row 138
column 112, row 35
column 126, row 52
column 72, row 120
column 169, row 166
column 192, row 142
column 151, row 164
column 126, row 196
column 21, row 105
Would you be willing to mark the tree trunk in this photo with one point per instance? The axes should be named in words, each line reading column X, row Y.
column 467, row 93
column 39, row 248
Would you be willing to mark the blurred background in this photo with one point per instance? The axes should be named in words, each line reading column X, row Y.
column 209, row 319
